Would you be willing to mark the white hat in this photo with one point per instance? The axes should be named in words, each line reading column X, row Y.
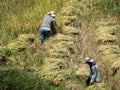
column 88, row 60
column 51, row 13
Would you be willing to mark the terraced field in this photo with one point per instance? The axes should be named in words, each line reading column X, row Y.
column 59, row 60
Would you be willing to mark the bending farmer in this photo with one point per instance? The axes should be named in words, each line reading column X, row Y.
column 48, row 27
column 94, row 73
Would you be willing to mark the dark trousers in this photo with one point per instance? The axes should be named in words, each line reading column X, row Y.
column 44, row 34
column 88, row 81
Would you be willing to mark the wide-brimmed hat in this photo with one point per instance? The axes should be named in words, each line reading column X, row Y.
column 88, row 60
column 52, row 13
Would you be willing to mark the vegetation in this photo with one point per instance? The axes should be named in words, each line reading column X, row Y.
column 19, row 28
column 108, row 6
column 26, row 17
column 85, row 28
column 14, row 79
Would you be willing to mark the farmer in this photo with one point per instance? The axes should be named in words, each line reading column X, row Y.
column 48, row 27
column 94, row 73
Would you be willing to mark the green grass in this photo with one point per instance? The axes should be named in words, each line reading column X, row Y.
column 15, row 79
column 108, row 6
column 23, row 16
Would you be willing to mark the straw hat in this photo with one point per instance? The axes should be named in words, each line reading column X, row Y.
column 51, row 13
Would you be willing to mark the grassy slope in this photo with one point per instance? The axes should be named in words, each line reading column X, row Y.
column 26, row 17
column 19, row 24
column 94, row 32
column 79, row 38
column 87, row 42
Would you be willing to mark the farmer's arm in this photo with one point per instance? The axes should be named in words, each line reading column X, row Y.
column 54, row 27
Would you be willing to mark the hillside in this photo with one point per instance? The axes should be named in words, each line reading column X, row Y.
column 85, row 28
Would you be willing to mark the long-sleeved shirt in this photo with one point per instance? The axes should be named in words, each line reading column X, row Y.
column 48, row 23
column 94, row 73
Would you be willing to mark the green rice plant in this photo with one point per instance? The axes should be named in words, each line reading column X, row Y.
column 15, row 79
column 108, row 6
column 23, row 16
